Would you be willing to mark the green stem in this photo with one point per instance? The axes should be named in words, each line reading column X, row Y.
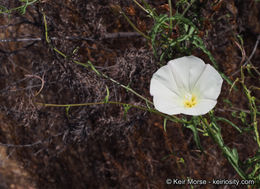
column 46, row 29
column 17, row 8
column 170, row 7
column 141, row 6
column 90, row 65
column 135, row 28
column 215, row 134
column 252, row 106
column 172, row 118
column 188, row 7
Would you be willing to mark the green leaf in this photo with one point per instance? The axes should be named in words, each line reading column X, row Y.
column 233, row 85
column 196, row 136
column 228, row 102
column 93, row 68
column 229, row 122
column 67, row 111
column 165, row 123
column 235, row 155
column 126, row 109
column 107, row 96
column 242, row 116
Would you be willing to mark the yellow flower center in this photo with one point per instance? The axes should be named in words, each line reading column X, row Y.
column 190, row 101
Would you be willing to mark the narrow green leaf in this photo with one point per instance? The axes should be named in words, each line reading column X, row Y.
column 229, row 122
column 107, row 96
column 67, row 111
column 165, row 123
column 196, row 136
column 126, row 109
column 94, row 69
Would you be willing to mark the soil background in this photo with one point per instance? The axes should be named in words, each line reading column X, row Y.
column 99, row 146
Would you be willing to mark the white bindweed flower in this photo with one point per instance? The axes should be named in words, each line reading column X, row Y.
column 185, row 85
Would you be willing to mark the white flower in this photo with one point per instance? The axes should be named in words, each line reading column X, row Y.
column 185, row 85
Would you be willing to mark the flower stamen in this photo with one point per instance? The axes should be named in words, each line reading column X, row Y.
column 190, row 101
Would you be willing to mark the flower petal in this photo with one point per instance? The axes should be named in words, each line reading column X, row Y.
column 163, row 82
column 197, row 67
column 167, row 105
column 186, row 71
column 209, row 84
column 203, row 107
